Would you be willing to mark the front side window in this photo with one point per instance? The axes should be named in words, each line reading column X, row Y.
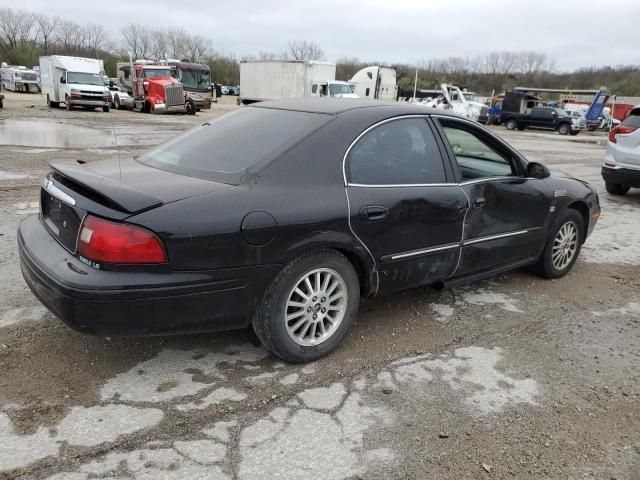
column 475, row 157
column 400, row 152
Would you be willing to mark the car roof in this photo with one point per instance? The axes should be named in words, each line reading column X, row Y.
column 336, row 106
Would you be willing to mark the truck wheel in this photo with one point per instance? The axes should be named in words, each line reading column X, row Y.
column 146, row 108
column 616, row 188
column 511, row 124
column 67, row 103
column 191, row 108
column 51, row 103
column 564, row 129
column 105, row 109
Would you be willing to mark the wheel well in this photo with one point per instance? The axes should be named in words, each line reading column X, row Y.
column 583, row 210
column 367, row 287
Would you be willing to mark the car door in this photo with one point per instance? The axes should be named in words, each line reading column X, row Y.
column 538, row 118
column 506, row 221
column 403, row 203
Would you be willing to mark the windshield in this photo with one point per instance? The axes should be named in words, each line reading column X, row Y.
column 471, row 97
column 340, row 89
column 200, row 79
column 562, row 113
column 85, row 78
column 156, row 72
column 230, row 148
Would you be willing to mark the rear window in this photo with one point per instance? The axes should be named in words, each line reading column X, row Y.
column 231, row 148
column 633, row 120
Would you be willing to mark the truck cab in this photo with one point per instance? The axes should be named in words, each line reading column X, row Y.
column 335, row 88
column 153, row 87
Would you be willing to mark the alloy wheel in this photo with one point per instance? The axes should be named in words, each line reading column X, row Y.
column 565, row 246
column 316, row 306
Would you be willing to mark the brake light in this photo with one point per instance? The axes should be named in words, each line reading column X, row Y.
column 620, row 130
column 110, row 242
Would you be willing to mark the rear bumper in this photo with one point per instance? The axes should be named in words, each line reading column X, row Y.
column 623, row 176
column 136, row 303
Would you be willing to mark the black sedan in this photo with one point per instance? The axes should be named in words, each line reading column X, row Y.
column 283, row 215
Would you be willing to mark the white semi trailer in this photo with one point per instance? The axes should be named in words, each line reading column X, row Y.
column 279, row 79
column 74, row 81
column 18, row 78
column 378, row 83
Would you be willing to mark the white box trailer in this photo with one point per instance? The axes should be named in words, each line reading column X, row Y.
column 18, row 78
column 279, row 79
column 74, row 81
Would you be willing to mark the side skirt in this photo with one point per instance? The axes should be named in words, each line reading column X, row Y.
column 456, row 281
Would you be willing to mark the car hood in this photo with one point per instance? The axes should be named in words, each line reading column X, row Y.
column 134, row 186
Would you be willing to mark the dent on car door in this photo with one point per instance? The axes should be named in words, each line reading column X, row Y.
column 508, row 212
column 404, row 205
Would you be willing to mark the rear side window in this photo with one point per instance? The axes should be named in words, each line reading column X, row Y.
column 229, row 149
column 399, row 152
column 633, row 120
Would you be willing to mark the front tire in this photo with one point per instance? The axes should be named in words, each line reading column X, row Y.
column 68, row 104
column 616, row 188
column 564, row 129
column 116, row 102
column 307, row 310
column 563, row 246
column 105, row 109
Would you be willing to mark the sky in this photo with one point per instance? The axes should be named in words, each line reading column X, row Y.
column 574, row 33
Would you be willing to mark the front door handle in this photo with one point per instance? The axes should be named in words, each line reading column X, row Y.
column 479, row 202
column 373, row 213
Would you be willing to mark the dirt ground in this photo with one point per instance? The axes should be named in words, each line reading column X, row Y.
column 513, row 377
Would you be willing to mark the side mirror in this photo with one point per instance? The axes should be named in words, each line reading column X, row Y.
column 112, row 83
column 537, row 170
column 62, row 79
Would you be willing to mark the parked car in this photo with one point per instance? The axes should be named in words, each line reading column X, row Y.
column 545, row 118
column 285, row 227
column 119, row 97
column 621, row 167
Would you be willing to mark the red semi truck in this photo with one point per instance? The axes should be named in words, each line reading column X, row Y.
column 153, row 88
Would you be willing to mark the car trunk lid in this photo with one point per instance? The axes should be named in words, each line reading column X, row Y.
column 110, row 189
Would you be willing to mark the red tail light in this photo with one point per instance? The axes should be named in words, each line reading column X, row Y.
column 109, row 242
column 620, row 130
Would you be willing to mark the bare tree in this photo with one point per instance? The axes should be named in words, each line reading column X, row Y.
column 137, row 40
column 197, row 47
column 47, row 27
column 178, row 42
column 96, row 38
column 17, row 29
column 304, row 50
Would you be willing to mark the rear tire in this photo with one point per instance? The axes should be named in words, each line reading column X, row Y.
column 616, row 188
column 511, row 124
column 563, row 245
column 51, row 103
column 311, row 331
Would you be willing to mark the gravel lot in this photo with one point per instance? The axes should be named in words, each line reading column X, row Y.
column 513, row 377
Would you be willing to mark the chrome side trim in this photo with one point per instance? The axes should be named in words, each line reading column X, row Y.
column 494, row 237
column 488, row 179
column 50, row 188
column 425, row 251
column 365, row 185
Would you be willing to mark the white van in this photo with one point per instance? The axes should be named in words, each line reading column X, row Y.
column 74, row 81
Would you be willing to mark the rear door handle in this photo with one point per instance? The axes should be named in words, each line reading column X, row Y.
column 373, row 213
column 479, row 202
